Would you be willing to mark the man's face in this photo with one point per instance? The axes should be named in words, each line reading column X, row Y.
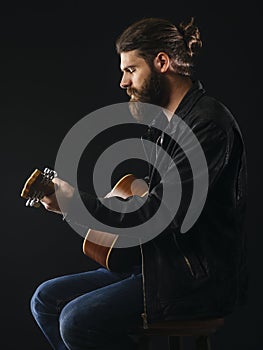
column 143, row 83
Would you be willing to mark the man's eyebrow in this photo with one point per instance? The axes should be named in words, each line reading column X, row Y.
column 132, row 66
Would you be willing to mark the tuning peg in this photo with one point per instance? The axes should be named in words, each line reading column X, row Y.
column 49, row 173
column 55, row 174
column 33, row 202
column 30, row 202
column 37, row 204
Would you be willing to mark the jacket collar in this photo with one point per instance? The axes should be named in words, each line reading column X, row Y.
column 160, row 122
column 191, row 97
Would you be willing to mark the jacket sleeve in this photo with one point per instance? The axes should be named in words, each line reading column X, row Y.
column 168, row 201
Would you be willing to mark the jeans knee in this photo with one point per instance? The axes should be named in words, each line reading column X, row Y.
column 40, row 301
column 68, row 327
column 35, row 301
column 76, row 326
column 75, row 334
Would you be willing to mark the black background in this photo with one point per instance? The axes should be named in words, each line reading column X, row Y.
column 58, row 63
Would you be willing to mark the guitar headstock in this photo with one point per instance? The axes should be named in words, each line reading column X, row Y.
column 38, row 185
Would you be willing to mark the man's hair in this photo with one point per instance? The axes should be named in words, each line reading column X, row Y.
column 152, row 35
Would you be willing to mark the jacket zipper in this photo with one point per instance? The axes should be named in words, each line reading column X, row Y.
column 144, row 314
column 188, row 264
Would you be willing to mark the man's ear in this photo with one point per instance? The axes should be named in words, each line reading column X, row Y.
column 161, row 62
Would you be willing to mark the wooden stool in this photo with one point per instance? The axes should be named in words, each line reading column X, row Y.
column 176, row 330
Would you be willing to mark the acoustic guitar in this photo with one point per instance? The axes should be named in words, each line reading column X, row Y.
column 105, row 252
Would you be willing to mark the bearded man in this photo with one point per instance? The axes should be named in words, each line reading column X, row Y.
column 182, row 273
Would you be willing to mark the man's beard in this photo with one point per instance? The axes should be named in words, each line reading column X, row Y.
column 144, row 106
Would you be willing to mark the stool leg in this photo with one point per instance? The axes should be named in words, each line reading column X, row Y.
column 175, row 343
column 203, row 343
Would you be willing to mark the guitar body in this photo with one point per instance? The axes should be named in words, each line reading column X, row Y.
column 103, row 251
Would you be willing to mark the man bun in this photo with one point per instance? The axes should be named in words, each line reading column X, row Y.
column 191, row 36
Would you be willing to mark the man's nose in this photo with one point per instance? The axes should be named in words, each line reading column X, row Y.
column 125, row 82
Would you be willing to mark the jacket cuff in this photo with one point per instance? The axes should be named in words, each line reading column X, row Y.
column 79, row 204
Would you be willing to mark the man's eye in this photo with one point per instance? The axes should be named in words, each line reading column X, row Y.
column 131, row 70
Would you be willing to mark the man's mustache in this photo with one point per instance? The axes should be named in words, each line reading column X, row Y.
column 137, row 96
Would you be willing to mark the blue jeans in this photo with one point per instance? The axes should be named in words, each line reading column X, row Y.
column 90, row 310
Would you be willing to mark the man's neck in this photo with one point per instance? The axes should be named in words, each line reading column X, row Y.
column 179, row 86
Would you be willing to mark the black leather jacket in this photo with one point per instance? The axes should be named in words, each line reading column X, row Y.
column 202, row 272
